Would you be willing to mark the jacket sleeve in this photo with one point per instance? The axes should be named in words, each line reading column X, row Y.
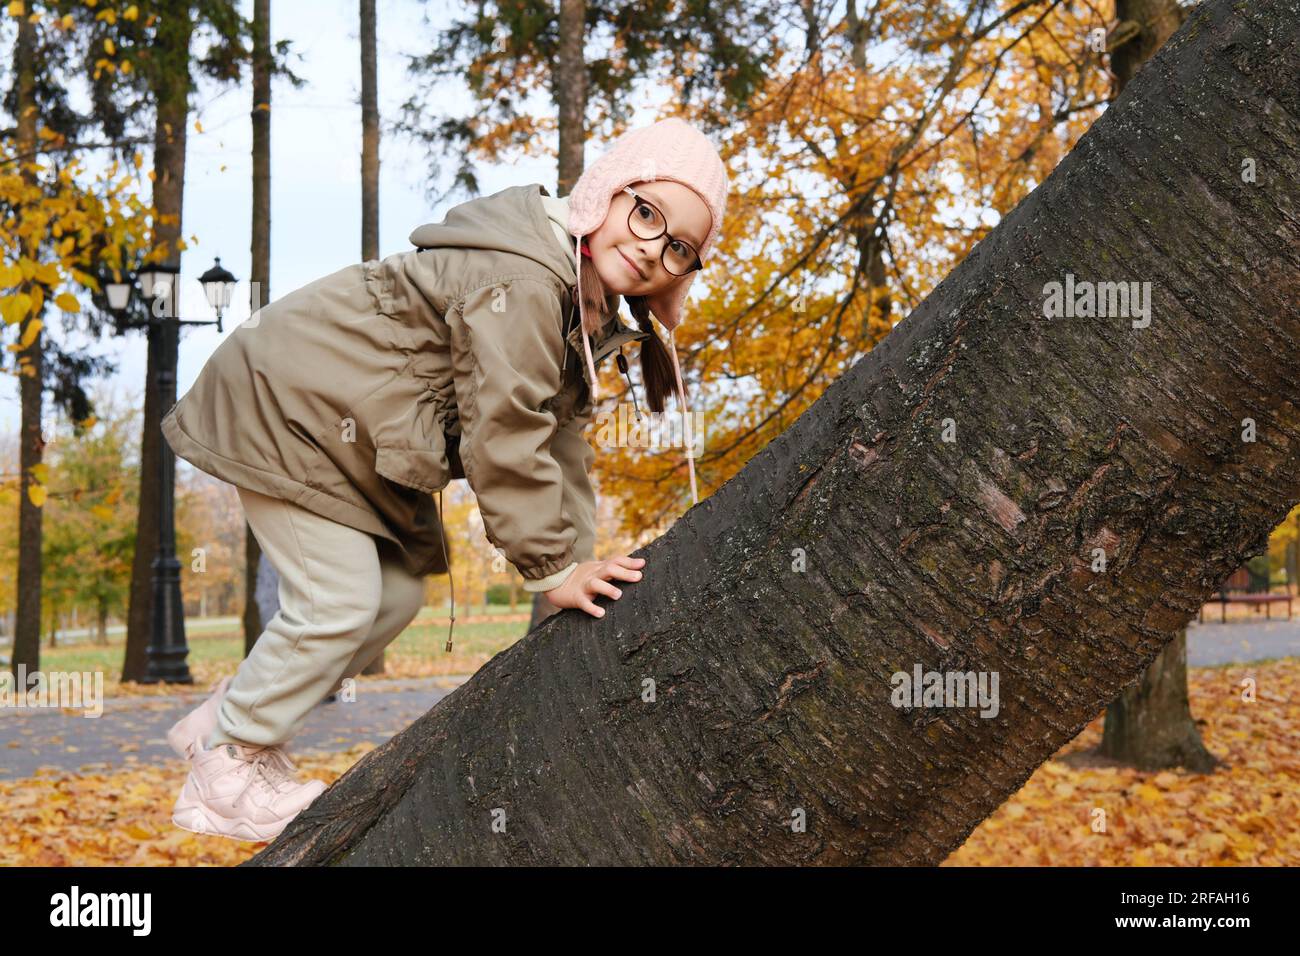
column 575, row 457
column 508, row 351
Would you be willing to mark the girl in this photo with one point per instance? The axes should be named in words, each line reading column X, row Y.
column 338, row 410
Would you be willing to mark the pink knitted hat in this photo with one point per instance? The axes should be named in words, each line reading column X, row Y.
column 670, row 149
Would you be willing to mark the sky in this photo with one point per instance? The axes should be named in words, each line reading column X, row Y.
column 315, row 174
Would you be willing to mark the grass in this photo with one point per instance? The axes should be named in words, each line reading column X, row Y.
column 417, row 652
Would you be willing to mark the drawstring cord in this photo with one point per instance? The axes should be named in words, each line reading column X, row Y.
column 451, row 585
column 621, row 359
column 686, row 416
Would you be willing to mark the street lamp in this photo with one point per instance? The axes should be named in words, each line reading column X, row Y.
column 219, row 285
column 167, row 650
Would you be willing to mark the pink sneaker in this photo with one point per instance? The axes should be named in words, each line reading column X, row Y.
column 242, row 792
column 195, row 726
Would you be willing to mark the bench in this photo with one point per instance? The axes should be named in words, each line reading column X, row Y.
column 1237, row 597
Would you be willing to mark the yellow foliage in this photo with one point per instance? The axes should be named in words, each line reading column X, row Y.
column 15, row 9
column 1246, row 812
column 68, row 302
column 36, row 494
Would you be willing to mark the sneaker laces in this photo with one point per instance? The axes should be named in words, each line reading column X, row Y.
column 269, row 765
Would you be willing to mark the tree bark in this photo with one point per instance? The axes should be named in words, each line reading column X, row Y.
column 1150, row 726
column 737, row 706
column 171, row 97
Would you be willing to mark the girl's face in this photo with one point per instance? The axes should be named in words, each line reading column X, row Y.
column 630, row 265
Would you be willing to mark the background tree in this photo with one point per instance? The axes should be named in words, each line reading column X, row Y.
column 63, row 226
column 91, row 515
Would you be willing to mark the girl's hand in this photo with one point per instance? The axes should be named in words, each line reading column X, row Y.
column 590, row 578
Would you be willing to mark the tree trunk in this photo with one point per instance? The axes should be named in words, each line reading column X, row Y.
column 569, row 90
column 260, row 268
column 101, row 623
column 1150, row 726
column 31, row 370
column 1143, row 26
column 370, row 173
column 740, row 705
column 171, row 96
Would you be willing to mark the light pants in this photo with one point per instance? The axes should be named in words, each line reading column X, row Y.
column 344, row 595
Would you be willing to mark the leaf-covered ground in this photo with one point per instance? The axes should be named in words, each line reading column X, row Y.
column 1247, row 813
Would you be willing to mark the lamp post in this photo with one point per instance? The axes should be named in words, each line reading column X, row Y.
column 159, row 286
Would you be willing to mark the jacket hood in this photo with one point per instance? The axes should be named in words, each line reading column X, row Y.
column 477, row 223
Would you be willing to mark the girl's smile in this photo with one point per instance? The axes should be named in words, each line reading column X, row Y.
column 630, row 265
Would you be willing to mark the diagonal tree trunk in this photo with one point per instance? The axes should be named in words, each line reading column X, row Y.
column 737, row 706
column 1150, row 725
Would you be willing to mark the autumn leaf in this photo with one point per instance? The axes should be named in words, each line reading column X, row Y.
column 68, row 303
column 36, row 494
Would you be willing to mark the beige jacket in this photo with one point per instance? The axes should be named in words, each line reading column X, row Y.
column 359, row 395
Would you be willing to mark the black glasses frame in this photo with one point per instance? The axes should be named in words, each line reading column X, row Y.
column 641, row 200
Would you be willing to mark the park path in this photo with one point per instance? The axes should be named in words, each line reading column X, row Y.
column 132, row 729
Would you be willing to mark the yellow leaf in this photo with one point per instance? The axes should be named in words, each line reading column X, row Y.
column 103, row 512
column 108, row 15
column 10, row 275
column 1149, row 793
column 32, row 330
column 138, row 159
column 68, row 303
column 126, row 66
column 16, row 8
column 47, row 273
column 40, row 471
column 198, row 127
column 130, row 13
column 109, row 48
column 36, row 494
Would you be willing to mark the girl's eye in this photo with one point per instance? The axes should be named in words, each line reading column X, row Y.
column 679, row 248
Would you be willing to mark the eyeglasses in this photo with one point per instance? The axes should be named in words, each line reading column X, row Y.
column 646, row 221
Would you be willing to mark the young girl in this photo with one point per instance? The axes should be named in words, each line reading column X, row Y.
column 338, row 410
